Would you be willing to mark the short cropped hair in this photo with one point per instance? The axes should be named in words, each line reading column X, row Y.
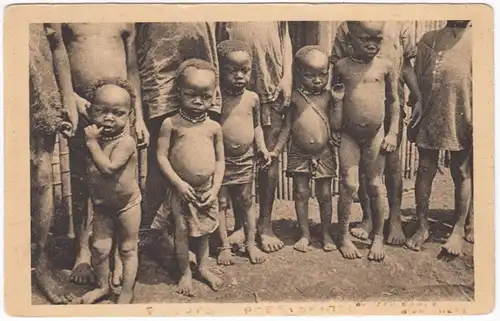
column 304, row 51
column 227, row 46
column 199, row 64
column 119, row 82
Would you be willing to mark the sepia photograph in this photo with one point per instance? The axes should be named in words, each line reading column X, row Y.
column 252, row 160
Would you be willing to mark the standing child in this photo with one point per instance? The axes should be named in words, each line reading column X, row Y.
column 114, row 190
column 397, row 47
column 365, row 77
column 271, row 79
column 191, row 156
column 443, row 121
column 240, row 121
column 311, row 151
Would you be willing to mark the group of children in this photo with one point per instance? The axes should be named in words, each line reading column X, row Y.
column 231, row 120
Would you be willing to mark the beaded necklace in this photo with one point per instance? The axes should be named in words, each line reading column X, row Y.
column 194, row 120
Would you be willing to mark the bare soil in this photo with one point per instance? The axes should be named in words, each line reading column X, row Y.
column 292, row 276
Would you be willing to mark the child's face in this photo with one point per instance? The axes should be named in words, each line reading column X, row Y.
column 313, row 71
column 235, row 73
column 197, row 90
column 110, row 109
column 366, row 38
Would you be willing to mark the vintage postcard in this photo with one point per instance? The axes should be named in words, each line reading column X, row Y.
column 248, row 159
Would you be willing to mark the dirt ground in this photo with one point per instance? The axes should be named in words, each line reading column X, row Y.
column 292, row 276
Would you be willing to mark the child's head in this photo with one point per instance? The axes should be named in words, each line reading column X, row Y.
column 366, row 37
column 111, row 104
column 196, row 80
column 235, row 59
column 311, row 66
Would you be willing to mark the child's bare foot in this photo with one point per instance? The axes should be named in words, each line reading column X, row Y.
column 270, row 243
column 302, row 245
column 396, row 235
column 418, row 239
column 362, row 230
column 225, row 257
column 126, row 297
column 348, row 249
column 377, row 249
column 50, row 288
column 454, row 244
column 328, row 244
column 185, row 285
column 237, row 238
column 82, row 271
column 255, row 255
column 212, row 280
column 469, row 234
column 94, row 295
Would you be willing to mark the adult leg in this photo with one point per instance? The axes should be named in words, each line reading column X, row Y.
column 324, row 197
column 363, row 230
column 43, row 208
column 469, row 224
column 102, row 239
column 460, row 171
column 267, row 186
column 372, row 164
column 349, row 156
column 82, row 214
column 301, row 195
column 427, row 167
column 224, row 257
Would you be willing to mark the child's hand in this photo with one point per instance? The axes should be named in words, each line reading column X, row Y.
column 186, row 191
column 389, row 143
column 92, row 132
column 209, row 197
column 338, row 91
column 336, row 138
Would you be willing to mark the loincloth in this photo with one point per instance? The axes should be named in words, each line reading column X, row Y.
column 106, row 210
column 239, row 169
column 322, row 165
column 362, row 134
column 200, row 221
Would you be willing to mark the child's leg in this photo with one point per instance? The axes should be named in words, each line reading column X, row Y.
column 241, row 196
column 128, row 236
column 185, row 285
column 212, row 280
column 324, row 197
column 460, row 170
column 43, row 208
column 372, row 164
column 102, row 239
column 301, row 195
column 427, row 167
column 267, row 186
column 117, row 274
column 363, row 230
column 349, row 155
column 224, row 257
column 469, row 223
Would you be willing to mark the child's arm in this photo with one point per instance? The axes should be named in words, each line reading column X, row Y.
column 258, row 133
column 284, row 133
column 337, row 92
column 392, row 78
column 220, row 166
column 119, row 157
column 135, row 81
column 63, row 75
column 162, row 153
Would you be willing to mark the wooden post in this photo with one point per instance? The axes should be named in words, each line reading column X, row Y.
column 67, row 203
